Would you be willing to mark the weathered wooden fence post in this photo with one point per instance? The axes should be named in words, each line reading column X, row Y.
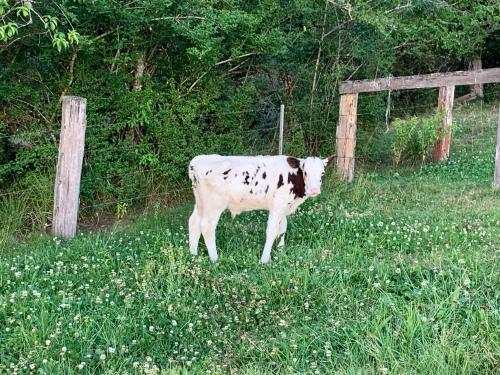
column 477, row 89
column 346, row 136
column 69, row 167
column 496, row 179
column 445, row 109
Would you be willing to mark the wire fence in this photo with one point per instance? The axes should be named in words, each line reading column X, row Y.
column 47, row 134
column 263, row 140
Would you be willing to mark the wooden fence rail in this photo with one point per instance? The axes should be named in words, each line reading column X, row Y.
column 446, row 82
column 468, row 77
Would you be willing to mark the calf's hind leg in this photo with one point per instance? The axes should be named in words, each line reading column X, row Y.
column 194, row 231
column 209, row 222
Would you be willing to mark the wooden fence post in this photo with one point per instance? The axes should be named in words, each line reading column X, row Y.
column 476, row 89
column 346, row 136
column 445, row 108
column 496, row 179
column 69, row 167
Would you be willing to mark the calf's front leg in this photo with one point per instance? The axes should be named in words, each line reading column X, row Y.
column 281, row 231
column 271, row 233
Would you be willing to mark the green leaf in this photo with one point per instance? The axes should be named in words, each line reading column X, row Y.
column 50, row 22
column 73, row 37
column 11, row 29
column 23, row 11
column 59, row 41
column 53, row 24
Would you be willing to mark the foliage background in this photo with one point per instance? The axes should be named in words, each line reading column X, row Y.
column 166, row 80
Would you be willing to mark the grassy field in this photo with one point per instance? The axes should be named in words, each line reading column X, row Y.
column 396, row 273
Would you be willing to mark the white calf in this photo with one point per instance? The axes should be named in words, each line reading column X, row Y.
column 278, row 184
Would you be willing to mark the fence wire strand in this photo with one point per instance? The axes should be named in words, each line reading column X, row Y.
column 363, row 138
column 291, row 109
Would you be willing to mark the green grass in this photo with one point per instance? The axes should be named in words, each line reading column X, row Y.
column 396, row 273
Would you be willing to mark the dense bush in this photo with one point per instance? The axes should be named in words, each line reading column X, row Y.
column 165, row 80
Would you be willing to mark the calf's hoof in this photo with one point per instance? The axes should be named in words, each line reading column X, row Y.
column 265, row 260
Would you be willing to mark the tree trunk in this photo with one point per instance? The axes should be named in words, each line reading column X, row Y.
column 139, row 72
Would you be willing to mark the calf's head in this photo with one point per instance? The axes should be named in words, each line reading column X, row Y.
column 313, row 169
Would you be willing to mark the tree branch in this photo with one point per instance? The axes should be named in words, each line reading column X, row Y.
column 179, row 17
column 318, row 56
column 105, row 34
column 399, row 7
column 236, row 58
column 139, row 72
column 195, row 83
column 71, row 73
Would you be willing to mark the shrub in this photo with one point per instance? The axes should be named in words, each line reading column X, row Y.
column 414, row 136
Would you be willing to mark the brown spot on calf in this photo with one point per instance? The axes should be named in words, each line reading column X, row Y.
column 280, row 181
column 298, row 185
column 293, row 162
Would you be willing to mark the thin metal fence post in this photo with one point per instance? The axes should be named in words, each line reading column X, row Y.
column 282, row 125
column 496, row 178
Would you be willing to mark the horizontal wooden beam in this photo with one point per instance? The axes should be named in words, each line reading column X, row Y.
column 469, row 77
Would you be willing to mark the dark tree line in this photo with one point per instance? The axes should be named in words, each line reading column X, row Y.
column 166, row 80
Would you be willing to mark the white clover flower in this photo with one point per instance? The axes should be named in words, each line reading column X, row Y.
column 102, row 357
column 467, row 282
column 174, row 323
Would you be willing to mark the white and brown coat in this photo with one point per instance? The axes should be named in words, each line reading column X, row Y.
column 278, row 184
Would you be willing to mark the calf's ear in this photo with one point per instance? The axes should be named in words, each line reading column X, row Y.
column 293, row 162
column 329, row 160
